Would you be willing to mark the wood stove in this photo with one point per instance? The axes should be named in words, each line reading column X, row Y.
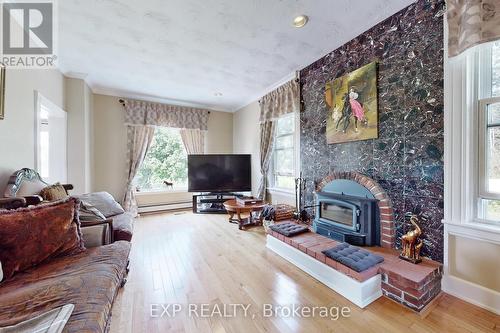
column 347, row 212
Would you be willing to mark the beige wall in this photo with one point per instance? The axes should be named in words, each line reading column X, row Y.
column 474, row 261
column 110, row 139
column 246, row 138
column 79, row 104
column 109, row 146
column 17, row 129
column 219, row 139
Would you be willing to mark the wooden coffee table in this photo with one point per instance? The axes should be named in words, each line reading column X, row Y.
column 234, row 208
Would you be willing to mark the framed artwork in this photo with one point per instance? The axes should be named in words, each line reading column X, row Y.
column 352, row 104
column 2, row 90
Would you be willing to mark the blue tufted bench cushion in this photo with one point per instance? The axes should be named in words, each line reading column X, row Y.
column 353, row 257
column 288, row 229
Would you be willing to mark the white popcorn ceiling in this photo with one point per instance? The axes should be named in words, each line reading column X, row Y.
column 184, row 51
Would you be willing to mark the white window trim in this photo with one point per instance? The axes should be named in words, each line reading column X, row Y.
column 483, row 132
column 464, row 90
column 296, row 144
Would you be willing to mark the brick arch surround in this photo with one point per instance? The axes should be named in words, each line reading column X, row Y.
column 387, row 228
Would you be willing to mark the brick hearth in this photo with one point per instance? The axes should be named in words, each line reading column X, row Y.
column 387, row 228
column 412, row 285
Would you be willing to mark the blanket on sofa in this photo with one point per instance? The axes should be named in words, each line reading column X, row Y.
column 52, row 321
column 90, row 280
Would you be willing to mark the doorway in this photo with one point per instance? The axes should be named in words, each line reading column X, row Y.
column 51, row 131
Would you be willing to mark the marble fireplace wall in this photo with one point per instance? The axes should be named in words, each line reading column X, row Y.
column 407, row 158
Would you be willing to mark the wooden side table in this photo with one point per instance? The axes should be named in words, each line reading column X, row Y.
column 234, row 208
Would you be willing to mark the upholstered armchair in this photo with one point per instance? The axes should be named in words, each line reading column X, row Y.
column 23, row 189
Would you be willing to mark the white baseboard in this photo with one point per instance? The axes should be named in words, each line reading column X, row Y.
column 360, row 293
column 470, row 292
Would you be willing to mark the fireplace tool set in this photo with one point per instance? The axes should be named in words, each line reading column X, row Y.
column 301, row 213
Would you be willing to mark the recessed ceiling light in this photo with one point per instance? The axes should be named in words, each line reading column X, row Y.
column 300, row 21
column 217, row 94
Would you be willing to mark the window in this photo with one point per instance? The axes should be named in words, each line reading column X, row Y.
column 166, row 161
column 284, row 153
column 489, row 134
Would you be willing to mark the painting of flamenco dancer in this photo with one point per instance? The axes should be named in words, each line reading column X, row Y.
column 352, row 103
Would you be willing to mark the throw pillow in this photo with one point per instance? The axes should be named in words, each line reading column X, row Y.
column 53, row 193
column 30, row 236
column 104, row 202
column 88, row 212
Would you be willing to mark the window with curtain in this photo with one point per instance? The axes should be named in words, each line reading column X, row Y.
column 284, row 153
column 489, row 132
column 166, row 160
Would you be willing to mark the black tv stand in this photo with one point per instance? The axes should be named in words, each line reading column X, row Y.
column 211, row 203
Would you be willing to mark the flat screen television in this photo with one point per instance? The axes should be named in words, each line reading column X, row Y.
column 219, row 173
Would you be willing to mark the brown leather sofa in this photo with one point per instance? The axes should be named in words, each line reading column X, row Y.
column 118, row 225
column 90, row 280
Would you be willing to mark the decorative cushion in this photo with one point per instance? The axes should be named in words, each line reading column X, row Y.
column 88, row 212
column 104, row 202
column 54, row 192
column 30, row 236
column 353, row 257
column 288, row 229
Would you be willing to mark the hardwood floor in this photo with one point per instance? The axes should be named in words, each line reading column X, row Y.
column 182, row 258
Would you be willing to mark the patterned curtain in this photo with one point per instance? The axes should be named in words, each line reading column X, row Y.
column 156, row 114
column 285, row 99
column 472, row 22
column 193, row 140
column 267, row 135
column 281, row 101
column 139, row 141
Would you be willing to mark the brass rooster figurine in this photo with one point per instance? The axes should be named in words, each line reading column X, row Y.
column 411, row 244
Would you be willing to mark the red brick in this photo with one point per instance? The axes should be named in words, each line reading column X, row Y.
column 365, row 275
column 393, row 290
column 342, row 268
column 305, row 237
column 416, row 293
column 330, row 262
column 386, row 210
column 311, row 252
column 321, row 257
column 413, row 302
column 402, row 283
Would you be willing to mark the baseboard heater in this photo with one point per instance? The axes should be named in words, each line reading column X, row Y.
column 165, row 207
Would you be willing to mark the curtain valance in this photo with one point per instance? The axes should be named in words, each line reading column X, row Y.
column 472, row 22
column 156, row 114
column 281, row 101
